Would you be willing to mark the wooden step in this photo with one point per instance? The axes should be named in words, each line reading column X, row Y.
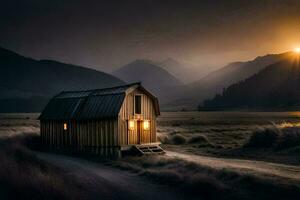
column 148, row 149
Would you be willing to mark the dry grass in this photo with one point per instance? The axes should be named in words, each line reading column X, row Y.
column 32, row 178
column 194, row 141
column 233, row 134
column 197, row 181
column 263, row 137
column 289, row 138
column 177, row 139
column 198, row 139
column 176, row 173
column 275, row 137
column 24, row 176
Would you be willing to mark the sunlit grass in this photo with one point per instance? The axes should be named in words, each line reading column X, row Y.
column 288, row 125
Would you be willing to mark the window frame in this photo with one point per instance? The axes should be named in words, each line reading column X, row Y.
column 134, row 104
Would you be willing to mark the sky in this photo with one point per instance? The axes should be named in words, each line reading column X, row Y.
column 108, row 34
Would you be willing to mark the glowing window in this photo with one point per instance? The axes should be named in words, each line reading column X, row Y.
column 65, row 126
column 131, row 125
column 146, row 125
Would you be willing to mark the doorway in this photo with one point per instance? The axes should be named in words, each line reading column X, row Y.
column 143, row 136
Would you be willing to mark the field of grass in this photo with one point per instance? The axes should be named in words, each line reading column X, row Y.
column 227, row 134
column 258, row 136
column 202, row 182
column 22, row 174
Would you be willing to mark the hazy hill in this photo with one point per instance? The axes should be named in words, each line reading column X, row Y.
column 216, row 81
column 27, row 84
column 276, row 86
column 153, row 77
column 185, row 72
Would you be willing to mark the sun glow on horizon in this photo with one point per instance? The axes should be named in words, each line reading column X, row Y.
column 297, row 50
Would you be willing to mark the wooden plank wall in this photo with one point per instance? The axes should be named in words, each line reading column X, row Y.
column 127, row 112
column 99, row 137
column 102, row 137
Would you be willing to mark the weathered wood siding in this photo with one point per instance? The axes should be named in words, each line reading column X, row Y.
column 127, row 112
column 98, row 137
column 103, row 137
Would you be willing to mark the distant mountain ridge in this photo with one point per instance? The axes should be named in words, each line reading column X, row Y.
column 27, row 84
column 152, row 76
column 185, row 72
column 235, row 72
column 216, row 81
column 275, row 86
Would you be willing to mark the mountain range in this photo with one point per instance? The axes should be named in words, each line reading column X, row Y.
column 216, row 81
column 235, row 72
column 275, row 86
column 158, row 80
column 26, row 84
column 185, row 72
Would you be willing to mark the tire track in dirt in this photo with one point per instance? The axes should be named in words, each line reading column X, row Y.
column 253, row 167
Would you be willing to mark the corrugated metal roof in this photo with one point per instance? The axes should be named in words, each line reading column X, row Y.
column 61, row 109
column 91, row 104
column 117, row 90
column 75, row 94
column 101, row 107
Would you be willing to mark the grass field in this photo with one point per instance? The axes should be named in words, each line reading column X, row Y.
column 227, row 133
column 252, row 136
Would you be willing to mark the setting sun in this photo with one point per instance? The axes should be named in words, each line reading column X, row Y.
column 297, row 50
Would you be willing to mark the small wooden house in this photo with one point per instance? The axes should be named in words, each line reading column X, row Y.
column 102, row 121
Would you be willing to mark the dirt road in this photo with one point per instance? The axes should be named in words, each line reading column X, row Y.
column 104, row 182
column 266, row 169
